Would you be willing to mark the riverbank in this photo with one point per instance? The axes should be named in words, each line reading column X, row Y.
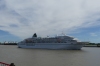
column 87, row 45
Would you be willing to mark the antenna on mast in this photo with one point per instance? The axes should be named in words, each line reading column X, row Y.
column 63, row 33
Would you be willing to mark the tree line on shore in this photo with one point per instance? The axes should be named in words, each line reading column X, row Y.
column 92, row 43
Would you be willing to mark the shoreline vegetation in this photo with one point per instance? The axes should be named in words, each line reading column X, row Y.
column 92, row 45
column 9, row 43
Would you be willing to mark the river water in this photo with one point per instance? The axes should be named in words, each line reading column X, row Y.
column 87, row 56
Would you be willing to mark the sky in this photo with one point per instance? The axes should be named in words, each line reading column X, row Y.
column 20, row 19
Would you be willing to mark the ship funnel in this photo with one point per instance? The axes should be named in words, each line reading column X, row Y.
column 34, row 35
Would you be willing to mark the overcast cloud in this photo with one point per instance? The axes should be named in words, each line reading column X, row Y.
column 47, row 17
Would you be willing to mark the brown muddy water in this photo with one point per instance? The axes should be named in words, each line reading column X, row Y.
column 87, row 56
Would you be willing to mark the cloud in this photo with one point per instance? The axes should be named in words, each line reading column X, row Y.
column 47, row 17
column 93, row 34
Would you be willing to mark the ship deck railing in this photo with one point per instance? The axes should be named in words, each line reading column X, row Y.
column 6, row 64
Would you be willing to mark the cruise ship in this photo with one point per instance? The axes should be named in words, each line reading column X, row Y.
column 57, row 42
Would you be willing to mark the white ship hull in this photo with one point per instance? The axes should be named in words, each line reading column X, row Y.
column 51, row 46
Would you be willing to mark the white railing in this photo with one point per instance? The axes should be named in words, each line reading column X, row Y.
column 6, row 64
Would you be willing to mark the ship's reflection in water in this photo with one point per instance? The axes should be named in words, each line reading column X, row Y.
column 88, row 56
